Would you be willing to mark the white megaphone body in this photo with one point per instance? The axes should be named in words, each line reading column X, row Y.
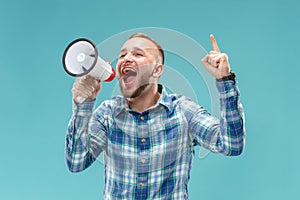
column 81, row 58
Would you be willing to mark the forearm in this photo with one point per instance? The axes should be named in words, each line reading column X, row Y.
column 78, row 156
column 225, row 135
column 232, row 125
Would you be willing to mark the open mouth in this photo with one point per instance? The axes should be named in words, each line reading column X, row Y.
column 129, row 75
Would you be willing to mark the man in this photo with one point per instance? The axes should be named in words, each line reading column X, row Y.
column 148, row 135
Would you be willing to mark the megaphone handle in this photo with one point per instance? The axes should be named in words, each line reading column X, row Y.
column 80, row 99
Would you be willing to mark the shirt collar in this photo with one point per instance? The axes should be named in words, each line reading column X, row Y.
column 165, row 100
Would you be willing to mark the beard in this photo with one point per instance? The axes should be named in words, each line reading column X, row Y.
column 138, row 91
column 142, row 85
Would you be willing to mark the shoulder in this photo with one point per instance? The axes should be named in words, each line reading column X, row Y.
column 181, row 102
column 110, row 106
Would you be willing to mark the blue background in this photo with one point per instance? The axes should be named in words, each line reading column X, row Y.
column 261, row 38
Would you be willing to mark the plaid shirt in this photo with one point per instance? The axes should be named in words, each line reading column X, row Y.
column 148, row 155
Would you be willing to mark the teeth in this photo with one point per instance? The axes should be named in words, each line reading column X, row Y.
column 125, row 70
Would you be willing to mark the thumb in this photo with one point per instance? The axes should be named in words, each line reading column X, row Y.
column 224, row 66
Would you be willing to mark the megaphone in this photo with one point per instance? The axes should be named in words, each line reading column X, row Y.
column 81, row 58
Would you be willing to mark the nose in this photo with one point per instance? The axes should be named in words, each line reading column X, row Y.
column 127, row 59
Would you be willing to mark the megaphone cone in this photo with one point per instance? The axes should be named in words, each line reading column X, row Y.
column 81, row 58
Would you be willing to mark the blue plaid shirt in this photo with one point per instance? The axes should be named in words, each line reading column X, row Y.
column 148, row 155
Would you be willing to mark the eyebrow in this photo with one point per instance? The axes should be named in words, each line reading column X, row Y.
column 135, row 49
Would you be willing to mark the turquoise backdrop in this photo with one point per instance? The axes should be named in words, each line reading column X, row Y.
column 261, row 38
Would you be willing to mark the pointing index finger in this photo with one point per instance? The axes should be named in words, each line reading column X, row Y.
column 214, row 43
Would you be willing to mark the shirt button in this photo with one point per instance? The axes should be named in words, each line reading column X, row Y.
column 142, row 184
column 142, row 118
column 143, row 160
column 143, row 140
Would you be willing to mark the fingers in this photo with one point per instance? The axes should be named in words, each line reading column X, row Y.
column 210, row 68
column 216, row 62
column 86, row 87
column 214, row 43
column 214, row 52
column 216, row 59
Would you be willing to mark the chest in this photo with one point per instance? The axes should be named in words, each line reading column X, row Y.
column 153, row 140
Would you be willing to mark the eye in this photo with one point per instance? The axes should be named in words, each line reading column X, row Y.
column 122, row 56
column 138, row 54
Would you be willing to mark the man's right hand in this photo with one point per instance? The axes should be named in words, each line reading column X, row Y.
column 86, row 88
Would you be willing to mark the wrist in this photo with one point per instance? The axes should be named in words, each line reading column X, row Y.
column 231, row 76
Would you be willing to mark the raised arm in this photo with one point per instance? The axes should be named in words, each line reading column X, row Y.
column 227, row 134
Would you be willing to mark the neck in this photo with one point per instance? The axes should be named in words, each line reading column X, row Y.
column 146, row 100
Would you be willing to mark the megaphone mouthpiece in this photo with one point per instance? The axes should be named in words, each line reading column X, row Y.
column 112, row 76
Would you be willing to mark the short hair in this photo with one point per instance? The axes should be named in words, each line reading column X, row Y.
column 142, row 35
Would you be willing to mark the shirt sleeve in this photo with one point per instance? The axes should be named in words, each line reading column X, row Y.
column 225, row 135
column 84, row 142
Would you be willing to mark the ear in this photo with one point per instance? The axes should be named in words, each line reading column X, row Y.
column 158, row 70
